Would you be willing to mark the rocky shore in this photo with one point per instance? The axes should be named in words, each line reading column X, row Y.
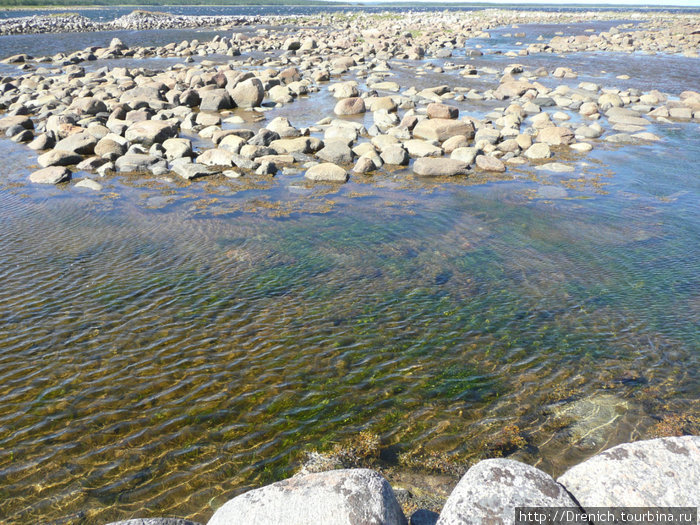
column 659, row 474
column 135, row 21
column 144, row 120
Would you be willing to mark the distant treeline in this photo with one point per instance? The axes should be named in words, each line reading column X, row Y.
column 91, row 3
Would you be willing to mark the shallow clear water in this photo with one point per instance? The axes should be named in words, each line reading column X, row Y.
column 166, row 345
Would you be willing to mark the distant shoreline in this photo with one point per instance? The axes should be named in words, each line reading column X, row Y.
column 359, row 5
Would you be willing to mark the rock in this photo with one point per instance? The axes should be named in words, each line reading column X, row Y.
column 215, row 100
column 91, row 164
column 249, row 93
column 336, row 497
column 327, row 172
column 297, row 145
column 89, row 184
column 23, row 136
column 154, row 521
column 350, row 106
column 424, row 517
column 58, row 158
column 488, row 163
column 135, row 162
column 51, row 175
column 81, row 143
column 588, row 132
column 491, row 490
column 443, row 111
column 42, row 142
column 555, row 167
column 266, row 167
column 422, row 148
column 466, row 154
column 148, row 132
column 513, row 88
column 620, row 138
column 111, row 146
column 680, row 113
column 540, row 150
column 335, row 152
column 581, row 147
column 490, row 135
column 216, row 157
column 364, row 165
column 15, row 120
column 191, row 170
column 395, row 154
column 177, row 148
column 555, row 136
column 442, row 129
column 88, row 106
column 438, row 167
column 264, row 137
column 662, row 472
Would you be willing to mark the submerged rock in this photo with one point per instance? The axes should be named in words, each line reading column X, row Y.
column 337, row 497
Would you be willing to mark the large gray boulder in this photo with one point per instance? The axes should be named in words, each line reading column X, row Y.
column 491, row 490
column 249, row 93
column 336, row 497
column 662, row 472
column 350, row 106
column 82, row 143
column 149, row 132
column 335, row 152
column 215, row 100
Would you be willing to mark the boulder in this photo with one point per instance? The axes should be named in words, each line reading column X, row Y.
column 491, row 490
column 81, row 143
column 135, row 162
column 216, row 157
column 439, row 167
column 350, row 106
column 539, row 150
column 14, row 120
column 489, row 163
column 662, row 472
column 191, row 170
column 335, row 152
column 148, row 132
column 88, row 106
column 395, row 155
column 326, row 172
column 336, row 497
column 51, row 175
column 513, row 88
column 436, row 110
column 297, row 145
column 177, row 148
column 442, row 129
column 58, row 158
column 215, row 100
column 249, row 93
column 89, row 184
column 466, row 154
column 422, row 148
column 555, row 136
column 555, row 167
